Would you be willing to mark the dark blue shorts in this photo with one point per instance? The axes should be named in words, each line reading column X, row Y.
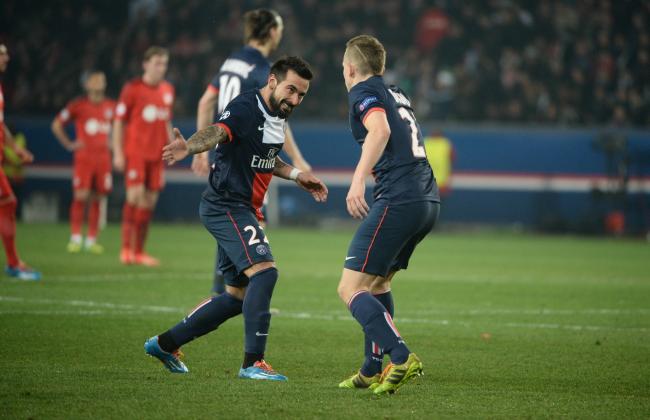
column 240, row 239
column 387, row 238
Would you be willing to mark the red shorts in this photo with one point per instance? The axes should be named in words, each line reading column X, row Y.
column 150, row 173
column 93, row 173
column 5, row 187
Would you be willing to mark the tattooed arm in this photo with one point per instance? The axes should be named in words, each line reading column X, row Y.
column 282, row 169
column 201, row 141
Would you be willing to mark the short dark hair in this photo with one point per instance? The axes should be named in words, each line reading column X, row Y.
column 258, row 24
column 295, row 63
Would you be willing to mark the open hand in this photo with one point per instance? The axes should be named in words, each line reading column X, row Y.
column 356, row 200
column 313, row 185
column 24, row 155
column 176, row 150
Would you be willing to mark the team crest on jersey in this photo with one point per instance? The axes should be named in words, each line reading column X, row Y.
column 168, row 98
column 366, row 102
column 108, row 114
column 261, row 249
column 224, row 115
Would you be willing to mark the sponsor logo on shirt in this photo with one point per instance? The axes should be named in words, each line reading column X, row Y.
column 94, row 127
column 151, row 113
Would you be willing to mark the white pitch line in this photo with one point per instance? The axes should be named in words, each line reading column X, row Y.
column 86, row 278
column 92, row 304
column 129, row 309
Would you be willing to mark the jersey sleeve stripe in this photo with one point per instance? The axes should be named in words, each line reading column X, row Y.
column 213, row 89
column 370, row 111
column 225, row 127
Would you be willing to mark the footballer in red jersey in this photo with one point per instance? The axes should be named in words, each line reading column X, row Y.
column 142, row 127
column 92, row 181
column 15, row 267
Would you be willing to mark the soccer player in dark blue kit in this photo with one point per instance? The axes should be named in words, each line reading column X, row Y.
column 249, row 134
column 405, row 209
column 245, row 69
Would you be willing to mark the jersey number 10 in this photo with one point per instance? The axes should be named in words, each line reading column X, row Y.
column 416, row 136
column 229, row 88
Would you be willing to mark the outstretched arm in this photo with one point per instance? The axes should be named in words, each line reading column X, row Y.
column 200, row 141
column 305, row 180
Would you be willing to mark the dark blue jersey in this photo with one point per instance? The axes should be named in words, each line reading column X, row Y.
column 243, row 70
column 243, row 166
column 402, row 174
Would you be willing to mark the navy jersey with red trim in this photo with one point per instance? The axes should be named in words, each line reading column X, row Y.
column 402, row 174
column 243, row 166
column 244, row 70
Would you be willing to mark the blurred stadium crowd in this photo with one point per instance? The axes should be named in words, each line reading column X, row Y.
column 569, row 62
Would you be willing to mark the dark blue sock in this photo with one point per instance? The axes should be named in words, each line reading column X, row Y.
column 374, row 354
column 205, row 318
column 378, row 325
column 257, row 303
column 218, row 283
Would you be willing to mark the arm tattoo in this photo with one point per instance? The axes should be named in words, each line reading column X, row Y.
column 206, row 139
column 281, row 168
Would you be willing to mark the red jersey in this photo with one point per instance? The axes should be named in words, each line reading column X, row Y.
column 2, row 125
column 92, row 123
column 145, row 109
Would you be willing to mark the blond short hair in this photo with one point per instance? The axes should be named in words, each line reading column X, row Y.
column 155, row 50
column 367, row 54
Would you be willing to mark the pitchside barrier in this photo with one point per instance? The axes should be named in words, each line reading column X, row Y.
column 538, row 178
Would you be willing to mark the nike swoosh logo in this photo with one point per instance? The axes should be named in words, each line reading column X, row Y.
column 257, row 333
column 349, row 258
column 261, row 128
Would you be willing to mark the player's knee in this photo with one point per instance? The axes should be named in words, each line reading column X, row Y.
column 345, row 290
column 256, row 268
column 236, row 292
column 381, row 285
column 81, row 195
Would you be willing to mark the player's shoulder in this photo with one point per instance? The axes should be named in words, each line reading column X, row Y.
column 166, row 85
column 109, row 104
column 247, row 97
column 367, row 95
column 77, row 101
column 134, row 83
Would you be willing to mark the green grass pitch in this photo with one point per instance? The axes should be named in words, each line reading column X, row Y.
column 506, row 325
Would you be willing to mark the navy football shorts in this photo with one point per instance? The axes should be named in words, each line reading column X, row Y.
column 387, row 238
column 240, row 239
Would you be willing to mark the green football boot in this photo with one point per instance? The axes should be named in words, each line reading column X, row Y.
column 359, row 381
column 397, row 375
column 94, row 248
column 74, row 247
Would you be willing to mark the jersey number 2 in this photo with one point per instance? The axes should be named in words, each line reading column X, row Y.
column 416, row 145
column 253, row 240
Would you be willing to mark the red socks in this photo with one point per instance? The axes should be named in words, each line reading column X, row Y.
column 128, row 216
column 142, row 218
column 93, row 219
column 8, row 232
column 76, row 216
